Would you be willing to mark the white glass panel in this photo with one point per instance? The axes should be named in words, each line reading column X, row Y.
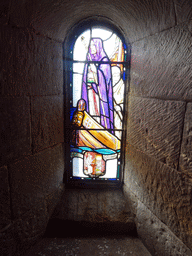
column 78, row 67
column 111, row 45
column 81, row 46
column 77, row 81
column 111, row 169
column 78, row 167
column 101, row 33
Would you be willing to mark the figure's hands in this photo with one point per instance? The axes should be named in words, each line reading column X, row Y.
column 94, row 72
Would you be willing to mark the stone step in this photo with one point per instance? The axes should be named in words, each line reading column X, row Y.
column 94, row 246
column 69, row 238
column 66, row 228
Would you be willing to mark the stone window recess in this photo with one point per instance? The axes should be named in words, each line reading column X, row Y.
column 96, row 66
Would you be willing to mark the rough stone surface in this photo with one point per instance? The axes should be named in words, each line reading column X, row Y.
column 55, row 18
column 54, row 198
column 32, row 64
column 5, row 211
column 93, row 205
column 183, row 10
column 8, row 240
column 110, row 246
column 161, row 65
column 17, row 60
column 161, row 68
column 35, row 177
column 131, row 199
column 163, row 190
column 31, row 227
column 47, row 121
column 14, row 128
column 156, row 236
column 4, row 11
column 185, row 163
column 47, row 71
column 155, row 127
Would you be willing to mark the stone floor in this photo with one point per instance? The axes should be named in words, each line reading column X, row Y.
column 74, row 239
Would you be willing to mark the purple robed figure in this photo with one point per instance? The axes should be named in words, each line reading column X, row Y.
column 97, row 85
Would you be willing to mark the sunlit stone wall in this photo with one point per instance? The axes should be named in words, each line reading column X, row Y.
column 158, row 166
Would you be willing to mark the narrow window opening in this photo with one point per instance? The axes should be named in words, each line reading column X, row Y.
column 97, row 68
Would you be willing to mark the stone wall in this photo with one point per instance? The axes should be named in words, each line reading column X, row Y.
column 158, row 148
column 31, row 128
column 106, row 206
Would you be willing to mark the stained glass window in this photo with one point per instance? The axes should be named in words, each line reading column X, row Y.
column 97, row 80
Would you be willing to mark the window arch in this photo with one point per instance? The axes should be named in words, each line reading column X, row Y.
column 96, row 65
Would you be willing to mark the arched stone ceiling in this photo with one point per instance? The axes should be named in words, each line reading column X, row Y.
column 53, row 18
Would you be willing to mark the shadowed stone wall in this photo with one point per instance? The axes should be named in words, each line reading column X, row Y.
column 158, row 149
column 31, row 134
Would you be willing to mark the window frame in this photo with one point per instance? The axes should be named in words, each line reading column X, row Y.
column 67, row 57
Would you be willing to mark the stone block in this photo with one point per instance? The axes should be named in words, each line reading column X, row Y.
column 46, row 72
column 47, row 121
column 163, row 190
column 131, row 199
column 31, row 227
column 53, row 199
column 183, row 10
column 5, row 210
column 32, row 63
column 16, row 53
column 23, row 14
column 8, row 240
column 112, row 206
column 14, row 128
column 4, row 11
column 95, row 206
column 33, row 178
column 155, row 127
column 185, row 163
column 161, row 65
column 156, row 236
column 145, row 18
column 139, row 177
column 68, row 207
column 87, row 205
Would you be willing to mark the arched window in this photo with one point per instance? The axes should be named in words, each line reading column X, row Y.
column 96, row 65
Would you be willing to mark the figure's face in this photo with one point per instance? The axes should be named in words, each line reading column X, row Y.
column 93, row 48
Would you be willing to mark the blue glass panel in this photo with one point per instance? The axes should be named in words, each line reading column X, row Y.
column 76, row 178
column 105, row 151
column 71, row 77
column 72, row 110
column 86, row 148
column 77, row 150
